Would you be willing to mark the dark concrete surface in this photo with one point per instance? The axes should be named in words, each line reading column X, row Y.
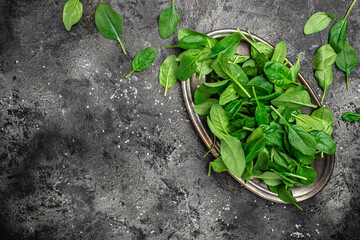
column 88, row 154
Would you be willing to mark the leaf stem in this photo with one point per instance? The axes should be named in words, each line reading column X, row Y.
column 323, row 97
column 211, row 147
column 332, row 16
column 248, row 129
column 256, row 99
column 272, row 108
column 130, row 73
column 122, row 45
column 294, row 175
column 251, row 43
column 347, row 81
column 351, row 6
column 172, row 4
column 252, row 38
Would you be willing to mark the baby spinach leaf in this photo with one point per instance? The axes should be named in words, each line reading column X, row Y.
column 217, row 165
column 213, row 87
column 337, row 35
column 228, row 95
column 168, row 21
column 200, row 96
column 233, row 108
column 301, row 158
column 324, row 142
column 204, row 108
column 261, row 115
column 270, row 178
column 143, row 60
column 191, row 42
column 317, row 22
column 262, row 161
column 347, row 60
column 295, row 69
column 203, row 67
column 308, row 172
column 233, row 155
column 325, row 56
column 218, row 69
column 239, row 58
column 286, row 195
column 168, row 69
column 250, row 68
column 308, row 123
column 350, row 117
column 278, row 73
column 275, row 156
column 109, row 23
column 219, row 118
column 325, row 116
column 324, row 77
column 184, row 32
column 72, row 13
column 187, row 67
column 260, row 47
column 299, row 138
column 294, row 98
column 216, row 131
column 188, row 52
column 253, row 148
column 227, row 46
column 234, row 72
column 279, row 52
column 262, row 82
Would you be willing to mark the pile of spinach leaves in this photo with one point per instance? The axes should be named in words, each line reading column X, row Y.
column 338, row 50
column 253, row 104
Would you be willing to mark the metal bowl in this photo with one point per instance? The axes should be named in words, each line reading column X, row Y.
column 323, row 166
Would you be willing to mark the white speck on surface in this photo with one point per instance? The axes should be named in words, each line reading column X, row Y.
column 317, row 231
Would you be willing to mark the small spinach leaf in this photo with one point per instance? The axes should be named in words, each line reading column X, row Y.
column 72, row 13
column 143, row 60
column 168, row 69
column 168, row 21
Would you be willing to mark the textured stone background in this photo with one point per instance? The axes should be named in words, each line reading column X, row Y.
column 88, row 154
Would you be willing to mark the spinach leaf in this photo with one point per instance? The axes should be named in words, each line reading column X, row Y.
column 270, row 178
column 262, row 82
column 294, row 98
column 275, row 156
column 253, row 148
column 324, row 142
column 200, row 96
column 143, row 60
column 228, row 95
column 350, row 117
column 295, row 69
column 191, row 42
column 187, row 53
column 308, row 172
column 219, row 118
column 184, row 32
column 262, row 161
column 347, row 60
column 304, row 159
column 337, row 35
column 204, row 108
column 187, row 67
column 218, row 69
column 234, row 72
column 168, row 21
column 308, row 123
column 317, row 22
column 324, row 77
column 233, row 108
column 72, row 13
column 299, row 138
column 250, row 68
column 286, row 195
column 278, row 73
column 239, row 58
column 233, row 155
column 260, row 47
column 109, row 23
column 261, row 115
column 203, row 67
column 324, row 57
column 325, row 116
column 279, row 52
column 227, row 46
column 213, row 87
column 217, row 165
column 168, row 69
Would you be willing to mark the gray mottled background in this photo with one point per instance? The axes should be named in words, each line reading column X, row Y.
column 88, row 154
